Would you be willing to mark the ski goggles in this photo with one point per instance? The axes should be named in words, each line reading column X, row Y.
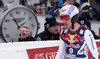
column 22, row 34
column 65, row 18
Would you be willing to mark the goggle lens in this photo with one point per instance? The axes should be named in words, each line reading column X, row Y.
column 22, row 34
column 65, row 18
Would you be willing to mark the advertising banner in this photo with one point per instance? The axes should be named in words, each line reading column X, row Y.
column 33, row 50
column 98, row 45
column 50, row 52
column 42, row 53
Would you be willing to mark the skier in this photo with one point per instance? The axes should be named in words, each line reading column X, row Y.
column 76, row 40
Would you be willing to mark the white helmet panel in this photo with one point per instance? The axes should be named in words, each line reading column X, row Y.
column 69, row 10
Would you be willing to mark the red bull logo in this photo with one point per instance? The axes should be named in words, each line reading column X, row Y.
column 72, row 45
column 73, row 38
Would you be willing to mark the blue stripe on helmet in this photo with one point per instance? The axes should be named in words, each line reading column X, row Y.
column 71, row 9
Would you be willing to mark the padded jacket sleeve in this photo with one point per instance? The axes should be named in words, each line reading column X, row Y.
column 61, row 50
column 90, row 41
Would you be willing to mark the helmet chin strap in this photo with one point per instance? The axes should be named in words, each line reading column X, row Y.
column 72, row 25
column 74, row 19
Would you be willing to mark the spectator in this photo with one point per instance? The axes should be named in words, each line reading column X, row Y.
column 43, row 6
column 51, row 1
column 84, row 21
column 43, row 2
column 51, row 30
column 95, row 4
column 83, row 1
column 86, row 17
column 71, row 2
column 27, row 3
column 77, row 5
column 25, row 34
column 76, row 40
column 38, row 8
column 85, row 6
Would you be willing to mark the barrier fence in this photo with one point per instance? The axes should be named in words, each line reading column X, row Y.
column 32, row 50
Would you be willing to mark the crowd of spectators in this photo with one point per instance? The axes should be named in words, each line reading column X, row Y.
column 51, row 30
column 46, row 5
column 51, row 7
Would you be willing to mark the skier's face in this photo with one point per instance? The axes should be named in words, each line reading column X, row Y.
column 53, row 29
column 67, row 24
column 23, row 35
column 66, row 19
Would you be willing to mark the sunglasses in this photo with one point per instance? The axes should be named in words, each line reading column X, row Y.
column 65, row 18
column 22, row 34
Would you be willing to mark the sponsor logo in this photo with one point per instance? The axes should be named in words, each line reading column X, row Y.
column 73, row 38
column 43, row 53
column 73, row 46
column 81, row 31
column 39, row 56
column 38, row 39
column 47, row 25
column 50, row 55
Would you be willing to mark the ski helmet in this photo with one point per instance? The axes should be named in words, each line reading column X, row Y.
column 69, row 12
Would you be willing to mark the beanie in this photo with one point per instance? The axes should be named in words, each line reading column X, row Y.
column 50, row 22
column 82, row 19
column 24, row 30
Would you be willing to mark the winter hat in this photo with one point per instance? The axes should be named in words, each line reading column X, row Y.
column 24, row 31
column 82, row 19
column 50, row 22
